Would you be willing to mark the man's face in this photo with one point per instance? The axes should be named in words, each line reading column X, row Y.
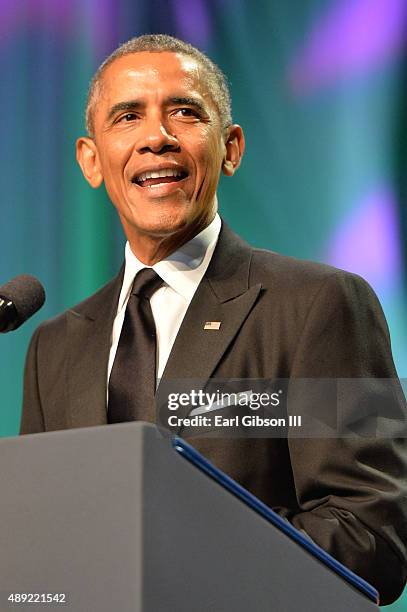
column 159, row 146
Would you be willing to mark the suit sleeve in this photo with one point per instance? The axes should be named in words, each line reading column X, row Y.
column 32, row 420
column 352, row 490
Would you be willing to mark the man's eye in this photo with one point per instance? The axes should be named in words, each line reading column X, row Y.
column 127, row 117
column 187, row 113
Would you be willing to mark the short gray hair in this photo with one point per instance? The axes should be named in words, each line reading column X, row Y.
column 158, row 43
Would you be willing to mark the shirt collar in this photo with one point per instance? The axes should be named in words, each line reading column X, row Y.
column 183, row 270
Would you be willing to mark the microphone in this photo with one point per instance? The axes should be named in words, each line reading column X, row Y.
column 20, row 298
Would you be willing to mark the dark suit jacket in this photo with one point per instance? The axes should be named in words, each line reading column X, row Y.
column 281, row 318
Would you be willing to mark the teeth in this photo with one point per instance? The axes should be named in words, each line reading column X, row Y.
column 157, row 174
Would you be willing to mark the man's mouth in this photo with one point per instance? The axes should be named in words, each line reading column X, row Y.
column 155, row 178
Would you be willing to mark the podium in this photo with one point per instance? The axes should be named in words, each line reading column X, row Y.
column 120, row 518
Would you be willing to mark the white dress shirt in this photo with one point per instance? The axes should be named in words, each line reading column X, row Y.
column 182, row 271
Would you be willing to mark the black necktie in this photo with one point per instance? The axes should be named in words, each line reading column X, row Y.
column 133, row 377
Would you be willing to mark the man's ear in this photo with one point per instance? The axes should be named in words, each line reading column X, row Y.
column 88, row 158
column 234, row 145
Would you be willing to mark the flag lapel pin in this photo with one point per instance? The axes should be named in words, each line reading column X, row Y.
column 215, row 325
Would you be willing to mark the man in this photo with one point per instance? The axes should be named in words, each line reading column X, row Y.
column 160, row 134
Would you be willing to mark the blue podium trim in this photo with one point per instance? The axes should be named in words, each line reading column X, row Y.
column 192, row 455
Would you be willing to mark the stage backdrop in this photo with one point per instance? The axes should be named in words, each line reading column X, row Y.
column 319, row 87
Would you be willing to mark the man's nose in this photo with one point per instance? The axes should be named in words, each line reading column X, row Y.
column 156, row 137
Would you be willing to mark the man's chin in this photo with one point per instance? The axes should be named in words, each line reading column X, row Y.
column 161, row 227
column 176, row 222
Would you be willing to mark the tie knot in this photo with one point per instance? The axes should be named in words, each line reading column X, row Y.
column 146, row 283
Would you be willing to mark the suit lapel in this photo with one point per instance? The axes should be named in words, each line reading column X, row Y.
column 89, row 329
column 223, row 296
column 197, row 351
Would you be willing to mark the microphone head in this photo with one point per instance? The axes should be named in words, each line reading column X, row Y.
column 27, row 295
